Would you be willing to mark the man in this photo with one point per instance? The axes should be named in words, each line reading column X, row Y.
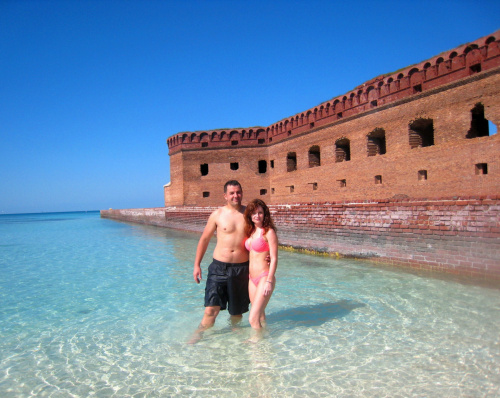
column 227, row 281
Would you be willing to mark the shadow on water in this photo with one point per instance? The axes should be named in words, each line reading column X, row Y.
column 312, row 315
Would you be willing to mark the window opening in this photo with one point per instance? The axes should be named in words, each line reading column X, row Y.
column 342, row 150
column 204, row 144
column 314, row 185
column 234, row 142
column 475, row 69
column 263, row 191
column 261, row 141
column 291, row 161
column 342, row 183
column 481, row 169
column 422, row 175
column 339, row 115
column 204, row 169
column 376, row 142
column 378, row 179
column 417, row 88
column 234, row 166
column 272, row 191
column 479, row 125
column 311, row 125
column 206, row 194
column 291, row 187
column 421, row 133
column 314, row 156
column 272, row 164
column 373, row 103
column 262, row 166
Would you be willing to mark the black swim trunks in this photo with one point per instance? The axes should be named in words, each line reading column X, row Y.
column 227, row 283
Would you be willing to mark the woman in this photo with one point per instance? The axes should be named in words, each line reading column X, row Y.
column 261, row 241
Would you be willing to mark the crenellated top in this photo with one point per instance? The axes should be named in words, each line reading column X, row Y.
column 463, row 61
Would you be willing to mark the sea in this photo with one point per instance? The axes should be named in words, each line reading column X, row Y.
column 92, row 307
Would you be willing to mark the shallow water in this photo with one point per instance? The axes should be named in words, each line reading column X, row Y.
column 94, row 307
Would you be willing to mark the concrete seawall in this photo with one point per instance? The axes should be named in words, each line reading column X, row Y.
column 456, row 235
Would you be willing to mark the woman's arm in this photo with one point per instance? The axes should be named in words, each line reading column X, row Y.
column 272, row 239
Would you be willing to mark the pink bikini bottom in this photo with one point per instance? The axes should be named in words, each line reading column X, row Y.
column 257, row 279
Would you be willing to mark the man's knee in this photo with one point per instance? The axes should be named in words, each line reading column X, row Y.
column 212, row 312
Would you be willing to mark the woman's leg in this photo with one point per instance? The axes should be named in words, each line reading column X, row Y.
column 259, row 302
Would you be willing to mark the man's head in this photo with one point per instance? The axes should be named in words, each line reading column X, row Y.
column 232, row 183
column 233, row 193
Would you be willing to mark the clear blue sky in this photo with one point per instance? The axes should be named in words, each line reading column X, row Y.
column 91, row 90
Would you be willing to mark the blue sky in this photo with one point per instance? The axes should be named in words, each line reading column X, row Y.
column 91, row 90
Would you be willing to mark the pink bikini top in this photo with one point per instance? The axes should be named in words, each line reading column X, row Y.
column 258, row 244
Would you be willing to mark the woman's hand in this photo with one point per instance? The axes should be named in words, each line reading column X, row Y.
column 268, row 289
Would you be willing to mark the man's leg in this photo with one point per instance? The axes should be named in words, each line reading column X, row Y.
column 209, row 317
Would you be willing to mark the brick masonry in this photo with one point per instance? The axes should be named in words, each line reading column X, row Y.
column 458, row 236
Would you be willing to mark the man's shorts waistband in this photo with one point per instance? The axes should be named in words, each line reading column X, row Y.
column 246, row 263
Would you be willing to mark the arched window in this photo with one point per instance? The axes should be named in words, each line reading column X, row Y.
column 342, row 150
column 421, row 133
column 376, row 142
column 314, row 156
column 291, row 161
column 479, row 124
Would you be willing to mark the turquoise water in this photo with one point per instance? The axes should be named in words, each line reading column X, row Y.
column 94, row 307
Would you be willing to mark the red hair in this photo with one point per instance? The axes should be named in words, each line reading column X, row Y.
column 267, row 223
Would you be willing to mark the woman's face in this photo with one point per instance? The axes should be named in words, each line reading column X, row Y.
column 258, row 216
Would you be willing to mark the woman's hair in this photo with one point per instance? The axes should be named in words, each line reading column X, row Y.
column 266, row 224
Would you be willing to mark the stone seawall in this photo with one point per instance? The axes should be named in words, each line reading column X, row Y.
column 455, row 235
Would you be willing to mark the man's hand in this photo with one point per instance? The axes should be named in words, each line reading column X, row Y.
column 197, row 273
column 268, row 259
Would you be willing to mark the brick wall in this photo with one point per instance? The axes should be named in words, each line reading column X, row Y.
column 450, row 235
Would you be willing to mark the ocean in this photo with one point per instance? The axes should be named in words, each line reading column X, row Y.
column 95, row 307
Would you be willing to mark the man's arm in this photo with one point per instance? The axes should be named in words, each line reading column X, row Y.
column 207, row 234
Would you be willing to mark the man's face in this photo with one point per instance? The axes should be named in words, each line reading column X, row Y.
column 233, row 195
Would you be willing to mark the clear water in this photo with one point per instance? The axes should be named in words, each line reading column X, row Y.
column 94, row 307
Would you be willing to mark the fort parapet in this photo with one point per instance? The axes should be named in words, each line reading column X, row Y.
column 403, row 169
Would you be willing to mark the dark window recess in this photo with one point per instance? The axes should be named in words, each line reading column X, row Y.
column 263, row 191
column 422, row 175
column 271, row 163
column 206, row 194
column 291, row 161
column 342, row 183
column 291, row 187
column 234, row 142
column 262, row 166
column 417, row 89
column 376, row 142
column 204, row 169
column 378, row 179
column 289, row 132
column 342, row 150
column 479, row 126
column 311, row 125
column 272, row 191
column 421, row 133
column 204, row 144
column 314, row 185
column 234, row 166
column 261, row 141
column 475, row 69
column 481, row 169
column 314, row 156
column 339, row 115
column 374, row 103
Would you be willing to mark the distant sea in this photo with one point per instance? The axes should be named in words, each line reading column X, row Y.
column 95, row 307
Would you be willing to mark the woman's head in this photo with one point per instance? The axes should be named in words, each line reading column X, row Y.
column 252, row 208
